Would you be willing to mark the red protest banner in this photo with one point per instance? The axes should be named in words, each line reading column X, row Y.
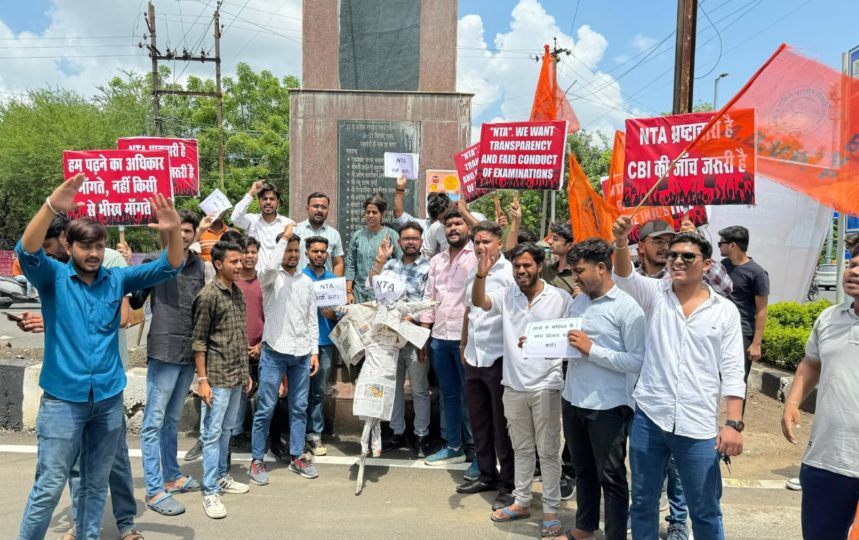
column 725, row 176
column 522, row 155
column 466, row 166
column 118, row 183
column 184, row 161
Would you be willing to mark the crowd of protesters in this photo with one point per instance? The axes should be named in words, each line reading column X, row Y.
column 666, row 339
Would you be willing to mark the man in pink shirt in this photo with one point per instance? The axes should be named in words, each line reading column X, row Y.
column 446, row 285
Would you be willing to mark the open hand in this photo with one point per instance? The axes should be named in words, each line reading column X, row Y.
column 167, row 216
column 31, row 322
column 63, row 197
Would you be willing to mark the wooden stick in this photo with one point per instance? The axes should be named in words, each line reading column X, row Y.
column 497, row 198
column 122, row 234
column 655, row 184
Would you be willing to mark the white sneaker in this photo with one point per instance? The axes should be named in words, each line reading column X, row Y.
column 213, row 506
column 228, row 485
column 793, row 484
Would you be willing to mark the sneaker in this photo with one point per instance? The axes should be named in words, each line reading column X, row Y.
column 228, row 485
column 445, row 456
column 214, row 507
column 568, row 488
column 395, row 441
column 473, row 472
column 258, row 473
column 315, row 447
column 196, row 451
column 677, row 531
column 303, row 468
column 793, row 484
column 423, row 447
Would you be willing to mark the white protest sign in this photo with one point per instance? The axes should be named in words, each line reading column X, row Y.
column 397, row 164
column 548, row 339
column 216, row 203
column 330, row 292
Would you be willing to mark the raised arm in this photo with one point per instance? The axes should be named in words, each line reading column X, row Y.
column 515, row 223
column 60, row 201
column 622, row 259
column 400, row 196
column 479, row 298
column 239, row 216
column 268, row 273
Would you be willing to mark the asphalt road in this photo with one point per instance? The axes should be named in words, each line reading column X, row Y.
column 399, row 500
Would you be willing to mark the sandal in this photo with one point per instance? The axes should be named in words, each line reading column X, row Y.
column 510, row 515
column 132, row 534
column 166, row 505
column 548, row 526
column 188, row 485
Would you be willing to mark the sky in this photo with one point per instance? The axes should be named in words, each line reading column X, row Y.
column 621, row 63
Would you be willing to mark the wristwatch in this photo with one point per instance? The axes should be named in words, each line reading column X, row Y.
column 736, row 424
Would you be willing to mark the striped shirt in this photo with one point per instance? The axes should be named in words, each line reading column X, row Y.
column 484, row 327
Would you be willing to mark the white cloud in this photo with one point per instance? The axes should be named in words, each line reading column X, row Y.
column 267, row 36
column 642, row 42
column 503, row 78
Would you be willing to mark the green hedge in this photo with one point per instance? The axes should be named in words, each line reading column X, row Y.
column 788, row 327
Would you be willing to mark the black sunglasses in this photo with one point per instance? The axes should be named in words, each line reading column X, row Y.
column 687, row 256
column 723, row 242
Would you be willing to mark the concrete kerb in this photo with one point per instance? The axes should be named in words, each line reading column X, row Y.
column 20, row 394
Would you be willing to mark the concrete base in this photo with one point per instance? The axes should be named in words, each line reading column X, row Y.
column 775, row 383
column 19, row 393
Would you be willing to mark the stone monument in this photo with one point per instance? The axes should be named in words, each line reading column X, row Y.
column 377, row 76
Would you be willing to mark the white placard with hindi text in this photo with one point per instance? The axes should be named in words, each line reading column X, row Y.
column 548, row 339
column 216, row 203
column 330, row 292
column 397, row 164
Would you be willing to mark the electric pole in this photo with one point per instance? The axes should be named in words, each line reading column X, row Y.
column 186, row 56
column 684, row 55
column 556, row 53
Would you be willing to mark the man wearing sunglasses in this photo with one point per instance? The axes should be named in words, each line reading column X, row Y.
column 693, row 356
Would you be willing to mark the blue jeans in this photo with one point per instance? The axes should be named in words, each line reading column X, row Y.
column 318, row 391
column 698, row 464
column 450, row 373
column 217, row 428
column 272, row 366
column 120, row 483
column 64, row 429
column 828, row 503
column 677, row 511
column 166, row 389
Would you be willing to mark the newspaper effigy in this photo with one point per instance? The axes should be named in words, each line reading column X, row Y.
column 378, row 330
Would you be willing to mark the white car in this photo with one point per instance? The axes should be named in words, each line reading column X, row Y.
column 826, row 276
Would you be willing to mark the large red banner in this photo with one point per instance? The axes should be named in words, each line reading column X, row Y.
column 522, row 155
column 184, row 160
column 467, row 162
column 118, row 183
column 699, row 177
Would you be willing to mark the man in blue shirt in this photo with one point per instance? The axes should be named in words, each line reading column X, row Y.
column 597, row 399
column 317, row 255
column 81, row 410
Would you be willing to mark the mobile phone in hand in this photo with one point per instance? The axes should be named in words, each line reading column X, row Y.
column 13, row 317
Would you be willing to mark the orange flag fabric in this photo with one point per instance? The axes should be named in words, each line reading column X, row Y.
column 550, row 103
column 807, row 134
column 590, row 215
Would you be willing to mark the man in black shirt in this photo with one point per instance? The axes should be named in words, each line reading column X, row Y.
column 751, row 289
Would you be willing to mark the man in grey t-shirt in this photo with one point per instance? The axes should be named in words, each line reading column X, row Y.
column 830, row 466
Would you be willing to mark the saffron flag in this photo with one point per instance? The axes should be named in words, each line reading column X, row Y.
column 550, row 103
column 590, row 215
column 807, row 134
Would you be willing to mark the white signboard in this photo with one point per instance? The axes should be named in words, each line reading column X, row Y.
column 548, row 339
column 330, row 292
column 397, row 164
column 216, row 203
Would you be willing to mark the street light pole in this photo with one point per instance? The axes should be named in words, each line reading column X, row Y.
column 716, row 91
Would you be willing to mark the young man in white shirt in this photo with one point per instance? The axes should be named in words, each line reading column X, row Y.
column 532, row 388
column 694, row 355
column 830, row 466
column 290, row 346
column 265, row 226
column 598, row 402
column 482, row 353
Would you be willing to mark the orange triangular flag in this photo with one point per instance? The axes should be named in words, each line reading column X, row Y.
column 807, row 135
column 590, row 216
column 550, row 103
